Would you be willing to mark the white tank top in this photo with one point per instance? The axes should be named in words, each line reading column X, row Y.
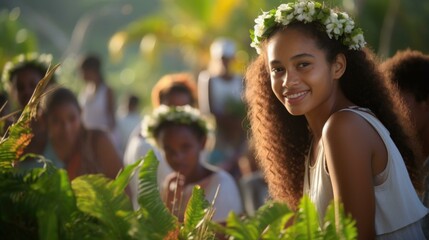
column 94, row 108
column 223, row 91
column 398, row 206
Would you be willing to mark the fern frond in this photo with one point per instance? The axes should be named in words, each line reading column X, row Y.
column 337, row 225
column 195, row 222
column 98, row 197
column 150, row 201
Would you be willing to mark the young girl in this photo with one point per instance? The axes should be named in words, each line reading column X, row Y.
column 81, row 150
column 175, row 89
column 323, row 122
column 181, row 134
column 20, row 78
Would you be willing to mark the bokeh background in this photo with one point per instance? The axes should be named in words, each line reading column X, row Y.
column 141, row 40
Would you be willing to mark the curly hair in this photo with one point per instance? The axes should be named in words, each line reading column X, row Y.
column 409, row 71
column 282, row 140
column 176, row 82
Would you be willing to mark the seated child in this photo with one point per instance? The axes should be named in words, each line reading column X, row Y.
column 181, row 134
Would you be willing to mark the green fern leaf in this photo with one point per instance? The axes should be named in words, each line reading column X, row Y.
column 307, row 222
column 337, row 225
column 240, row 230
column 196, row 222
column 98, row 197
column 18, row 136
column 124, row 177
column 156, row 216
column 269, row 213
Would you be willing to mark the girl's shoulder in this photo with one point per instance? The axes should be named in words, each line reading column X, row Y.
column 96, row 136
column 351, row 124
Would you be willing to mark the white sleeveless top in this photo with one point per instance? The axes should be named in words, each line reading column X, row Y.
column 398, row 208
column 94, row 107
column 223, row 91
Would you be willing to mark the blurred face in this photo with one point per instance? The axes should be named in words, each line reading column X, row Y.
column 301, row 77
column 177, row 99
column 64, row 123
column 181, row 148
column 89, row 75
column 24, row 82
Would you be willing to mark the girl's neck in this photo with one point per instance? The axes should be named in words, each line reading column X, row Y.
column 200, row 174
column 317, row 118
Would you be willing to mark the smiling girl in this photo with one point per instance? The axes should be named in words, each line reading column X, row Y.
column 324, row 125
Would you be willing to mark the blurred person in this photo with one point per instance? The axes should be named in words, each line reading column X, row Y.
column 253, row 187
column 81, row 150
column 219, row 93
column 176, row 89
column 128, row 119
column 97, row 98
column 20, row 78
column 181, row 133
column 408, row 71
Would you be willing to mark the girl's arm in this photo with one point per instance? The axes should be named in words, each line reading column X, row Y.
column 107, row 155
column 111, row 108
column 354, row 153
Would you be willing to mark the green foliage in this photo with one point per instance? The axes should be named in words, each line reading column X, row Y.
column 98, row 197
column 150, row 201
column 15, row 38
column 197, row 217
column 272, row 219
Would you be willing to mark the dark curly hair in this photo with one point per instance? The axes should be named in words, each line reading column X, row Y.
column 282, row 140
column 409, row 70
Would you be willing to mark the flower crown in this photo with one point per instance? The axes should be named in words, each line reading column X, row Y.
column 42, row 61
column 338, row 25
column 186, row 115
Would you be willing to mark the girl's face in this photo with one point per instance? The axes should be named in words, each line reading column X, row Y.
column 64, row 123
column 301, row 77
column 177, row 99
column 181, row 148
column 24, row 82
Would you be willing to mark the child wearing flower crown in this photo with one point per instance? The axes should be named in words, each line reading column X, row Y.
column 20, row 78
column 324, row 124
column 181, row 133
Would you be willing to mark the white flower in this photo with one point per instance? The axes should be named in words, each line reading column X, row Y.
column 359, row 40
column 338, row 25
column 311, row 9
column 349, row 25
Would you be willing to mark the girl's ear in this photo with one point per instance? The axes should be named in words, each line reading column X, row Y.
column 339, row 66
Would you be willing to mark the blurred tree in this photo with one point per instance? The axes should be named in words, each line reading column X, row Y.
column 190, row 27
column 15, row 38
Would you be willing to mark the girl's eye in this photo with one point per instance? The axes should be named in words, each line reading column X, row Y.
column 303, row 64
column 276, row 69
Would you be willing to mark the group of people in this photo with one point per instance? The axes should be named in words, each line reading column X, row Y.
column 326, row 120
